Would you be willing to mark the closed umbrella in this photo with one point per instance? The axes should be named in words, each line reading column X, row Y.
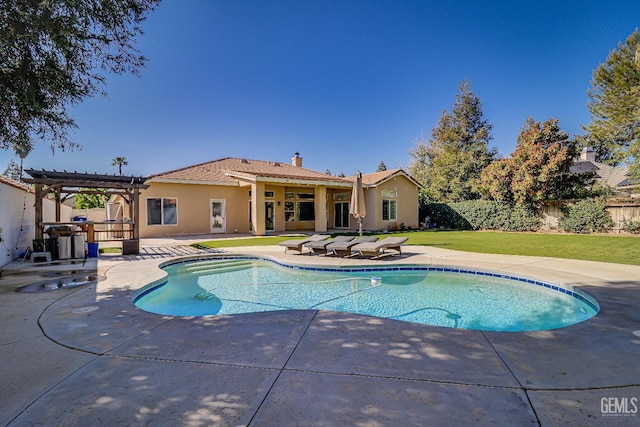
column 357, row 208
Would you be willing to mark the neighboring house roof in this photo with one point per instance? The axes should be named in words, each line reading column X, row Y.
column 612, row 176
column 629, row 184
column 230, row 170
column 12, row 182
column 615, row 177
column 376, row 178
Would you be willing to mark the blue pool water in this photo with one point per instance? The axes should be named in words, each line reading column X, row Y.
column 455, row 298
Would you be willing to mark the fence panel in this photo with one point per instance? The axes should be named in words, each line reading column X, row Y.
column 620, row 212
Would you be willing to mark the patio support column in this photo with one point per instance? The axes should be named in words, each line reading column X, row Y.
column 57, row 196
column 39, row 232
column 257, row 209
column 135, row 212
column 321, row 208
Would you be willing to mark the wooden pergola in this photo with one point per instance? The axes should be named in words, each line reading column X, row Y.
column 62, row 185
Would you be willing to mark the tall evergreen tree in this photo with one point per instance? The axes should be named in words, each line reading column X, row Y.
column 13, row 171
column 614, row 103
column 381, row 167
column 449, row 164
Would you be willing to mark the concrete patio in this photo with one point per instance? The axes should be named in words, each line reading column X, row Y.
column 87, row 356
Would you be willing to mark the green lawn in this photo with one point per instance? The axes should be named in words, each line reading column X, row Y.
column 616, row 249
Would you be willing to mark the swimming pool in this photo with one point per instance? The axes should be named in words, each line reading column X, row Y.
column 451, row 297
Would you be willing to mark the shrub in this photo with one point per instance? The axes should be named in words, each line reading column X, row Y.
column 631, row 226
column 520, row 219
column 444, row 216
column 586, row 216
column 482, row 215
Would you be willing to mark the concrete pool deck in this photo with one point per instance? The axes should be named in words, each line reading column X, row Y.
column 87, row 356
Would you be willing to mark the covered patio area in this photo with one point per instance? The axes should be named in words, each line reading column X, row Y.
column 61, row 185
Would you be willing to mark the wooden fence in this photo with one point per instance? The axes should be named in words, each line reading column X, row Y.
column 620, row 212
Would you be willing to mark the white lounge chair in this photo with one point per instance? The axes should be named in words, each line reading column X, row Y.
column 343, row 249
column 296, row 244
column 320, row 247
column 376, row 249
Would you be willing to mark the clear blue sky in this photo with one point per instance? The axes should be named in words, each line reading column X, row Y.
column 345, row 83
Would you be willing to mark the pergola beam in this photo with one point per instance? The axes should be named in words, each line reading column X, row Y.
column 67, row 183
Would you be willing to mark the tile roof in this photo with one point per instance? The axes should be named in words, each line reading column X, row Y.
column 375, row 178
column 225, row 170
column 12, row 182
column 609, row 175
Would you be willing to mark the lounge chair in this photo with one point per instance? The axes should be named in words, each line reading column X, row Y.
column 377, row 248
column 344, row 248
column 320, row 247
column 296, row 244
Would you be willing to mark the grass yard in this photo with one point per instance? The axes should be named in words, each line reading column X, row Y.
column 615, row 249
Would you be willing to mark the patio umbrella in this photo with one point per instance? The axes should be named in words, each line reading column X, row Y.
column 357, row 208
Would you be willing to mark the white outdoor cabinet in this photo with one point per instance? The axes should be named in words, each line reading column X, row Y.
column 78, row 246
column 64, row 247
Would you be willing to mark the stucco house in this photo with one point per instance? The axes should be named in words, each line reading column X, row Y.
column 234, row 195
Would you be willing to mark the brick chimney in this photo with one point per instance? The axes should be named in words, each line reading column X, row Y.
column 589, row 154
column 296, row 160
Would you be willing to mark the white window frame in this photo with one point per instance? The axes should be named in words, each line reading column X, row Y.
column 344, row 205
column 390, row 210
column 162, row 217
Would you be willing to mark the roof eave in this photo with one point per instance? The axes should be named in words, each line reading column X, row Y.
column 293, row 181
column 191, row 181
column 393, row 175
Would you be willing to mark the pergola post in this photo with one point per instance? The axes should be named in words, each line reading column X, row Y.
column 39, row 232
column 57, row 196
column 134, row 206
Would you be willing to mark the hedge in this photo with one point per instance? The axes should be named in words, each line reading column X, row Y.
column 586, row 216
column 631, row 226
column 480, row 215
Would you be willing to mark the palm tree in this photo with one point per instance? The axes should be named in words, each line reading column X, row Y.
column 119, row 161
column 22, row 147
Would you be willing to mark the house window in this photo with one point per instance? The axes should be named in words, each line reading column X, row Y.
column 269, row 194
column 306, row 211
column 389, row 210
column 341, row 196
column 299, row 206
column 306, row 206
column 162, row 211
column 389, row 194
column 289, row 211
